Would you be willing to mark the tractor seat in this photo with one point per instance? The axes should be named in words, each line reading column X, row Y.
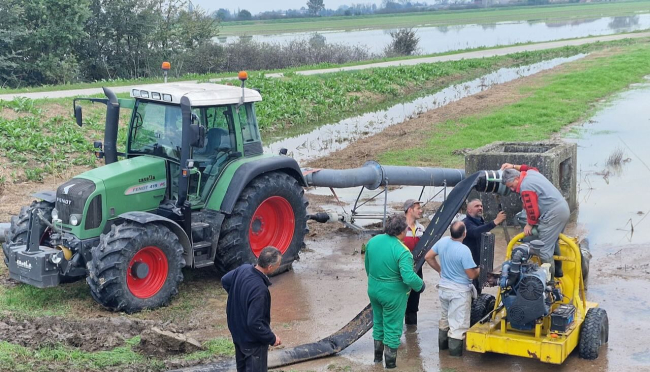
column 217, row 139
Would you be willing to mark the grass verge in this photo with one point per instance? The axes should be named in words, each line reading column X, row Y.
column 563, row 99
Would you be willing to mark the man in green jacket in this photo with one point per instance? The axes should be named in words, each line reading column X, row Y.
column 389, row 266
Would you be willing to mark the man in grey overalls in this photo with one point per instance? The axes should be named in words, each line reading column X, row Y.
column 545, row 208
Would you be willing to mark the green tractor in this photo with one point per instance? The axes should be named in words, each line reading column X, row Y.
column 193, row 189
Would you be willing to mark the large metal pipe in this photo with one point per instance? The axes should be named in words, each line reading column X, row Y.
column 372, row 175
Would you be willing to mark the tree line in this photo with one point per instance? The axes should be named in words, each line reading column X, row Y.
column 63, row 41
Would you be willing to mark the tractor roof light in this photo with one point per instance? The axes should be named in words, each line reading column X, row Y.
column 135, row 93
column 155, row 95
column 167, row 97
column 243, row 75
column 144, row 94
column 166, row 66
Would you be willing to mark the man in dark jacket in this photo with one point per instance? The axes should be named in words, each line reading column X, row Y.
column 249, row 310
column 475, row 225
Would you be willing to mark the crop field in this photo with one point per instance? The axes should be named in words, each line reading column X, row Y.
column 437, row 18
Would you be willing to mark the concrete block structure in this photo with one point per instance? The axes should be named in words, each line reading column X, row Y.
column 556, row 160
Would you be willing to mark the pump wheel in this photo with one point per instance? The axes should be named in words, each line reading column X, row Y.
column 136, row 267
column 593, row 333
column 483, row 304
column 271, row 211
column 19, row 229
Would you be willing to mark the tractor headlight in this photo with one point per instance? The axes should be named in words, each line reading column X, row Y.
column 75, row 219
column 55, row 214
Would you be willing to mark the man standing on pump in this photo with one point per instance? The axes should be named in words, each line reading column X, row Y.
column 545, row 208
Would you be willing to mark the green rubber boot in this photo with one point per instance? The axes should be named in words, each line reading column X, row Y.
column 390, row 355
column 379, row 351
column 443, row 339
column 455, row 347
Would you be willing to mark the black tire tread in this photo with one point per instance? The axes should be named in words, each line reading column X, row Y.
column 233, row 249
column 591, row 335
column 106, row 270
column 19, row 227
column 483, row 304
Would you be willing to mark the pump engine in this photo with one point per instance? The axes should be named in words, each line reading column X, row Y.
column 527, row 288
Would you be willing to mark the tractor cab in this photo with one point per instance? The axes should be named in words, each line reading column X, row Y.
column 223, row 128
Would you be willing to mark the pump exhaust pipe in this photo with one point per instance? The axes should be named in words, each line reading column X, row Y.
column 373, row 175
column 112, row 123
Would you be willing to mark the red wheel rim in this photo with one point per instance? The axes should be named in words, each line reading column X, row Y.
column 156, row 263
column 273, row 224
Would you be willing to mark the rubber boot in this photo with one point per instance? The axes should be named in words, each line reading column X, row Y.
column 455, row 347
column 443, row 339
column 390, row 355
column 379, row 351
column 411, row 319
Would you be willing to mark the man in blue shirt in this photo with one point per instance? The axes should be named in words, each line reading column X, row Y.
column 456, row 269
column 249, row 311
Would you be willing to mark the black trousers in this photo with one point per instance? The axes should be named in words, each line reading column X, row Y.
column 414, row 298
column 252, row 359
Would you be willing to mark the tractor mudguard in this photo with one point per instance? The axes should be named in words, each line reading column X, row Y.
column 247, row 171
column 146, row 217
column 49, row 196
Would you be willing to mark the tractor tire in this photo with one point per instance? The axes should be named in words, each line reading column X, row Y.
column 19, row 229
column 271, row 211
column 481, row 307
column 135, row 267
column 593, row 333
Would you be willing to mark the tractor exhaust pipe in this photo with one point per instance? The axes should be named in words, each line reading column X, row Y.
column 112, row 123
column 372, row 175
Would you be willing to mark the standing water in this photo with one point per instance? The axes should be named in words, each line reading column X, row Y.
column 332, row 137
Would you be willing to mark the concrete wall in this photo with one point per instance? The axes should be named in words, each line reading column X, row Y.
column 556, row 160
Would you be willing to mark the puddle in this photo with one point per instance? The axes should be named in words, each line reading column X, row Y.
column 613, row 200
column 332, row 137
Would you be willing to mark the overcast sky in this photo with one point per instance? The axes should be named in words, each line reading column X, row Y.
column 256, row 6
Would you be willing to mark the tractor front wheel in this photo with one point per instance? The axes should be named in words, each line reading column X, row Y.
column 593, row 333
column 19, row 229
column 271, row 211
column 136, row 267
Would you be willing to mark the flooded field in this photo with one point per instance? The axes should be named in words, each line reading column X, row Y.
column 332, row 137
column 457, row 37
column 331, row 281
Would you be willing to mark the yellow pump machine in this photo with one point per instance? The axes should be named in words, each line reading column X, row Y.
column 537, row 316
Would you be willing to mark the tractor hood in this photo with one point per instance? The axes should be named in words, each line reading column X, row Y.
column 101, row 194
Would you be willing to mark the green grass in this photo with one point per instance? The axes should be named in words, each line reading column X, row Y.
column 563, row 99
column 437, row 18
column 23, row 299
column 60, row 358
column 216, row 347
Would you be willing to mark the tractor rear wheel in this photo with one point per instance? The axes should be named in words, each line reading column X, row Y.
column 19, row 228
column 136, row 267
column 271, row 211
column 593, row 333
column 483, row 304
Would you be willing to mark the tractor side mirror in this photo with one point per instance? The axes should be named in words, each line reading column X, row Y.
column 78, row 115
column 197, row 136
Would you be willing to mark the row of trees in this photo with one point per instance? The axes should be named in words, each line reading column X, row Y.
column 59, row 41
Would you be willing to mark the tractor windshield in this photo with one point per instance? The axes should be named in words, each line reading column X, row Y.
column 156, row 129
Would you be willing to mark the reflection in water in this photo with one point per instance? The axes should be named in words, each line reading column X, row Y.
column 332, row 137
column 613, row 200
column 448, row 38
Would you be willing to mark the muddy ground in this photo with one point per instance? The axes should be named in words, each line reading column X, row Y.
column 327, row 287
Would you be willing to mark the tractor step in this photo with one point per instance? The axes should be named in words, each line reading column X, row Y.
column 202, row 254
column 199, row 225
